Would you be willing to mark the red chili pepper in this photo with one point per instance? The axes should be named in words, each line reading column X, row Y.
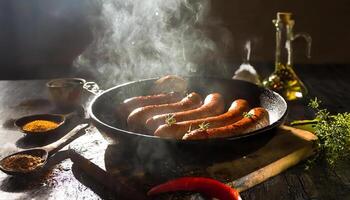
column 207, row 186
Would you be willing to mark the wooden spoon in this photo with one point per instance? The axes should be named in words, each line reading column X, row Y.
column 43, row 152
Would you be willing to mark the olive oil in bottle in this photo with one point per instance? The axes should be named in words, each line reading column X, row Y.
column 284, row 80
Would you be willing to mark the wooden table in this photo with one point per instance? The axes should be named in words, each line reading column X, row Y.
column 18, row 98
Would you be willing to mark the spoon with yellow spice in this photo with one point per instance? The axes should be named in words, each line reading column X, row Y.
column 42, row 124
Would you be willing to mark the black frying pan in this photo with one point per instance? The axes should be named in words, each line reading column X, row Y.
column 103, row 106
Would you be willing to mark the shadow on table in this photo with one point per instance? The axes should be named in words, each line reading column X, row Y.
column 106, row 185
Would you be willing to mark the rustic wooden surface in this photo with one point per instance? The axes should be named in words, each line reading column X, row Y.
column 286, row 148
column 330, row 83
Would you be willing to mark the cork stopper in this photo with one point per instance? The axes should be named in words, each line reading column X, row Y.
column 284, row 17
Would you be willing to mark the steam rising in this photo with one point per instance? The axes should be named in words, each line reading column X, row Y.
column 135, row 39
column 247, row 47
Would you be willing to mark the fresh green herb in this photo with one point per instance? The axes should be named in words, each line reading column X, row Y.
column 203, row 126
column 333, row 132
column 247, row 114
column 170, row 119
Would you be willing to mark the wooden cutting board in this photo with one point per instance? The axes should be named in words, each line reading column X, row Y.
column 287, row 148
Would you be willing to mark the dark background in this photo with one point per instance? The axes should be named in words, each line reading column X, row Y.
column 41, row 38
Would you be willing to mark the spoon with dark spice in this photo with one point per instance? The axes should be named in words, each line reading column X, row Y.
column 42, row 124
column 31, row 160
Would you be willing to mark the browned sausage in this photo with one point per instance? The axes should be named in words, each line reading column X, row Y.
column 178, row 130
column 128, row 105
column 255, row 119
column 138, row 117
column 214, row 104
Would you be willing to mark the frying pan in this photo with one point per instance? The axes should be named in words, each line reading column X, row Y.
column 102, row 110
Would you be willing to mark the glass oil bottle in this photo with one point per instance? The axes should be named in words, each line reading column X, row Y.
column 284, row 80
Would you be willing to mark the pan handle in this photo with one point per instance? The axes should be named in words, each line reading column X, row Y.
column 92, row 87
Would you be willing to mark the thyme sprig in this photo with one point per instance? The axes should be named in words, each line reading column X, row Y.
column 247, row 115
column 170, row 119
column 203, row 126
column 333, row 132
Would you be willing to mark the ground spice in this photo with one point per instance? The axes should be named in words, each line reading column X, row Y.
column 40, row 126
column 22, row 162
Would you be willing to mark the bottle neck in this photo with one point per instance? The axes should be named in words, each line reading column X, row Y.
column 284, row 38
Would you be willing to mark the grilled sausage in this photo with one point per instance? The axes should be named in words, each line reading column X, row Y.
column 178, row 130
column 137, row 118
column 255, row 119
column 128, row 105
column 214, row 104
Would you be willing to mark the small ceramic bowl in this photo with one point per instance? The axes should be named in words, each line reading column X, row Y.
column 21, row 122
